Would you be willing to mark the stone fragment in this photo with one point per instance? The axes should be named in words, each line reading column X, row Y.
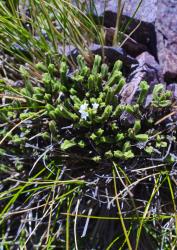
column 145, row 33
column 130, row 89
column 168, row 61
column 67, row 50
column 173, row 87
column 156, row 33
column 146, row 12
column 166, row 31
column 113, row 54
column 148, row 69
column 131, row 46
column 149, row 65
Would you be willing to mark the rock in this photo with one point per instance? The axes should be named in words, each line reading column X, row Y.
column 168, row 61
column 67, row 50
column 145, row 33
column 157, row 31
column 113, row 54
column 166, row 30
column 131, row 46
column 151, row 67
column 134, row 48
column 146, row 13
column 173, row 87
column 130, row 88
column 153, row 28
column 148, row 69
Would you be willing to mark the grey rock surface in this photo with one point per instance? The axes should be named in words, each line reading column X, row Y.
column 166, row 31
column 148, row 69
column 145, row 33
column 113, row 54
column 173, row 87
column 131, row 46
column 157, row 31
column 146, row 13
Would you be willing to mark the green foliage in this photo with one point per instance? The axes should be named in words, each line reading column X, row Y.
column 67, row 144
column 143, row 91
column 160, row 96
column 72, row 156
column 88, row 103
column 69, row 120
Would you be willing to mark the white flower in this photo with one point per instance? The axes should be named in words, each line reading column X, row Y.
column 95, row 105
column 83, row 107
column 84, row 115
column 83, row 111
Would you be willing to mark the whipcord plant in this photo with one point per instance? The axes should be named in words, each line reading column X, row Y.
column 73, row 125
